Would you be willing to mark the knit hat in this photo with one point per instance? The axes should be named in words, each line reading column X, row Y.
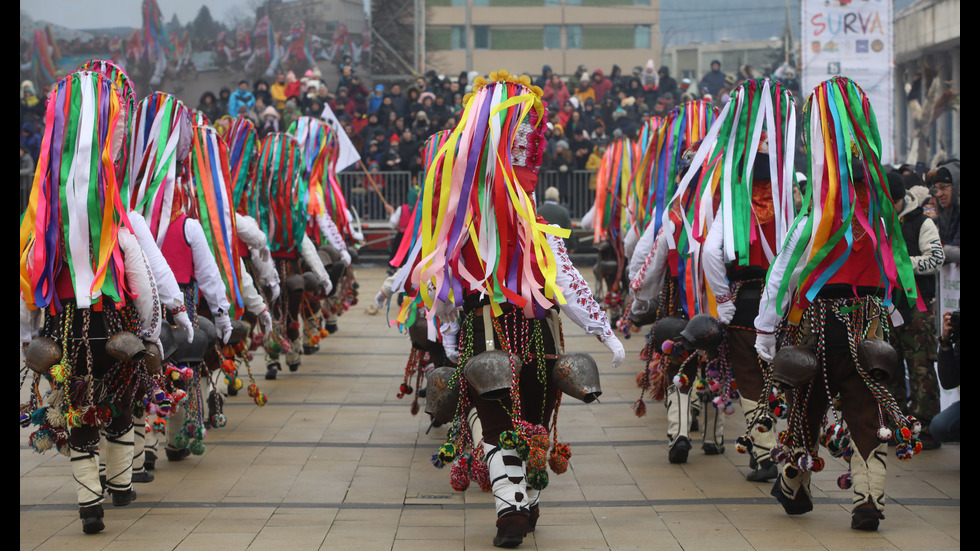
column 562, row 144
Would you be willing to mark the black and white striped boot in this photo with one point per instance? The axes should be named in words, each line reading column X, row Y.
column 88, row 488
column 119, row 465
column 869, row 488
column 714, row 430
column 140, row 474
column 763, row 467
column 509, row 494
column 678, row 424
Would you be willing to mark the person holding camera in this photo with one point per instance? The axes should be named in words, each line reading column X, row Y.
column 915, row 338
column 945, row 426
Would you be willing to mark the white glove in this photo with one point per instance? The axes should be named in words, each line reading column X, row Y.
column 264, row 254
column 639, row 307
column 345, row 256
column 380, row 299
column 184, row 322
column 616, row 347
column 451, row 352
column 223, row 324
column 327, row 285
column 765, row 345
column 265, row 321
column 726, row 311
column 274, row 291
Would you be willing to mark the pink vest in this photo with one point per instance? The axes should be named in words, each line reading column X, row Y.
column 178, row 252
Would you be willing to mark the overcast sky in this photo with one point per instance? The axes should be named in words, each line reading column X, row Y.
column 95, row 14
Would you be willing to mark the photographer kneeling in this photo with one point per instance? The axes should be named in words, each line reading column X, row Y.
column 945, row 427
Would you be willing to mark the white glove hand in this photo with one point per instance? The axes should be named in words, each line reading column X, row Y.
column 264, row 254
column 265, row 321
column 184, row 322
column 275, row 291
column 223, row 324
column 765, row 345
column 616, row 347
column 380, row 299
column 639, row 307
column 327, row 285
column 726, row 311
column 451, row 352
column 345, row 256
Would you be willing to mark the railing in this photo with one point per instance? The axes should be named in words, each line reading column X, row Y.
column 573, row 188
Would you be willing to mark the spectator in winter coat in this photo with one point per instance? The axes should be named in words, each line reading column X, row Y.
column 278, row 92
column 713, row 80
column 600, row 84
column 241, row 97
column 555, row 91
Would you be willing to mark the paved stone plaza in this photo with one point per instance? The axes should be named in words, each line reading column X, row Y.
column 336, row 461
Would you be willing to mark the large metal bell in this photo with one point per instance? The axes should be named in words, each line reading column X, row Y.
column 668, row 329
column 794, row 366
column 42, row 354
column 703, row 332
column 310, row 282
column 578, row 376
column 190, row 352
column 440, row 398
column 206, row 327
column 418, row 333
column 490, row 374
column 879, row 359
column 168, row 340
column 125, row 346
column 239, row 330
column 154, row 357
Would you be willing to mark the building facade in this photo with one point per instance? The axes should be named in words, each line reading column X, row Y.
column 522, row 36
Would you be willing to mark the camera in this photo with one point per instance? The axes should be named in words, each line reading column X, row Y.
column 954, row 319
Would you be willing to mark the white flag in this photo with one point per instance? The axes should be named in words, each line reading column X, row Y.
column 348, row 153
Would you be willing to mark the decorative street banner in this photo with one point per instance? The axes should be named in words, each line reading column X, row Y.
column 852, row 38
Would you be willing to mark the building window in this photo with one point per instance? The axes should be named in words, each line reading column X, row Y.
column 641, row 37
column 573, row 37
column 552, row 2
column 552, row 37
column 458, row 37
column 481, row 37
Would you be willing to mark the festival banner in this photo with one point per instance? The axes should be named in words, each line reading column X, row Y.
column 852, row 38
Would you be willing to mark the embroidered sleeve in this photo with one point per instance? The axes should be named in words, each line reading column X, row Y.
column 581, row 307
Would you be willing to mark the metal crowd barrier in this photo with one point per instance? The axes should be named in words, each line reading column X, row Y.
column 574, row 190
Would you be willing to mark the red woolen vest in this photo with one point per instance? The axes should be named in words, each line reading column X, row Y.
column 178, row 252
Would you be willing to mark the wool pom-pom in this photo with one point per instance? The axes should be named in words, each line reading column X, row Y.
column 563, row 450
column 25, row 420
column 508, row 439
column 845, row 481
column 228, row 366
column 181, row 440
column 714, row 385
column 667, row 347
column 790, row 471
column 639, row 408
column 537, row 480
column 743, row 444
column 765, row 424
column 903, row 452
column 73, row 418
column 60, row 372
column 729, row 408
column 522, row 448
column 447, row 453
column 179, row 395
column 480, row 474
column 219, row 420
column 197, row 447
column 537, row 459
column 818, row 464
column 436, row 461
column 459, row 476
column 885, row 434
column 41, row 440
column 39, row 416
column 540, row 441
column 680, row 380
column 916, row 426
column 260, row 399
column 700, row 385
column 906, row 434
column 558, row 463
